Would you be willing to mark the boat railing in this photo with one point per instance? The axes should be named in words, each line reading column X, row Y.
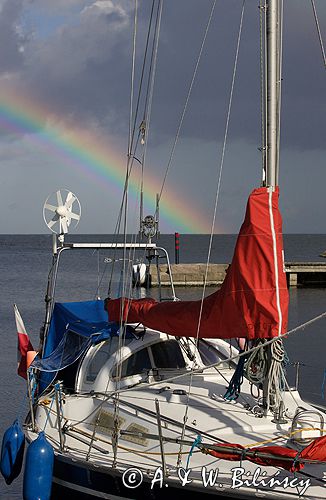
column 153, row 251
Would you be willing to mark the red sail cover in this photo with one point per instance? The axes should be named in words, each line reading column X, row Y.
column 253, row 300
column 275, row 455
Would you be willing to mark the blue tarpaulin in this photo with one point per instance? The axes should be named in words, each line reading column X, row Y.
column 84, row 318
column 74, row 327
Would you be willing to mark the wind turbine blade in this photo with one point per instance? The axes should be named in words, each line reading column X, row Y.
column 54, row 219
column 69, row 200
column 64, row 225
column 52, row 222
column 52, row 208
column 71, row 215
column 59, row 199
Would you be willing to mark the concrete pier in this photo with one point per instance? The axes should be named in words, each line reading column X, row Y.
column 298, row 274
column 306, row 273
column 191, row 274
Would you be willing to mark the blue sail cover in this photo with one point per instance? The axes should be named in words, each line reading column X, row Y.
column 74, row 327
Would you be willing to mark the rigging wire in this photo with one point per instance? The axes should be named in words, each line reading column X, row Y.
column 149, row 30
column 124, row 203
column 127, row 269
column 279, row 83
column 149, row 90
column 219, row 179
column 319, row 32
column 132, row 77
column 149, row 98
column 153, row 60
column 131, row 156
column 132, row 145
column 187, row 101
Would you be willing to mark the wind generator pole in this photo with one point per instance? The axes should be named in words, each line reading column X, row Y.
column 272, row 77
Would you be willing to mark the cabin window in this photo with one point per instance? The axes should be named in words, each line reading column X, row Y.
column 168, row 355
column 135, row 364
column 101, row 356
column 211, row 355
column 208, row 353
column 162, row 355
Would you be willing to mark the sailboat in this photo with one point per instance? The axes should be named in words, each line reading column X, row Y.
column 137, row 397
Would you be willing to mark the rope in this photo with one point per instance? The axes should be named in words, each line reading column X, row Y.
column 255, row 369
column 197, row 442
column 274, row 375
column 290, row 391
column 233, row 391
column 259, row 371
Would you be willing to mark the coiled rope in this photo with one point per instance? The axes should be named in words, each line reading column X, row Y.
column 274, row 376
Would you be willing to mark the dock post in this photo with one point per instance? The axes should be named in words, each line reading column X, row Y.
column 293, row 279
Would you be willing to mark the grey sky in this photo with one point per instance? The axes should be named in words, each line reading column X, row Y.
column 72, row 58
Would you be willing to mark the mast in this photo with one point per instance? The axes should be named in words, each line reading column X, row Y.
column 272, row 79
column 272, row 138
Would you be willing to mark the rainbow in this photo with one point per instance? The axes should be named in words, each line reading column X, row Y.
column 92, row 156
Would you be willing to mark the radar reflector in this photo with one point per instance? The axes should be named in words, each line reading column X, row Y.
column 59, row 215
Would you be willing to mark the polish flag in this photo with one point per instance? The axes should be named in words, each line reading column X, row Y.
column 24, row 344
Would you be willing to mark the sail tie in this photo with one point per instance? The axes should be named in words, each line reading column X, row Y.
column 197, row 442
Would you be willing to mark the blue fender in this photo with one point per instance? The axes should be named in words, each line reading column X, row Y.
column 38, row 470
column 12, row 452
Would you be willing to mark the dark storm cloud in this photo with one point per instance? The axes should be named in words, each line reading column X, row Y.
column 303, row 72
column 11, row 40
column 84, row 70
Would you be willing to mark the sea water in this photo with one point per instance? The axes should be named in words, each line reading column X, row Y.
column 25, row 261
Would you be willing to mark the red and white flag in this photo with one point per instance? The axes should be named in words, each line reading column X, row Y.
column 24, row 344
